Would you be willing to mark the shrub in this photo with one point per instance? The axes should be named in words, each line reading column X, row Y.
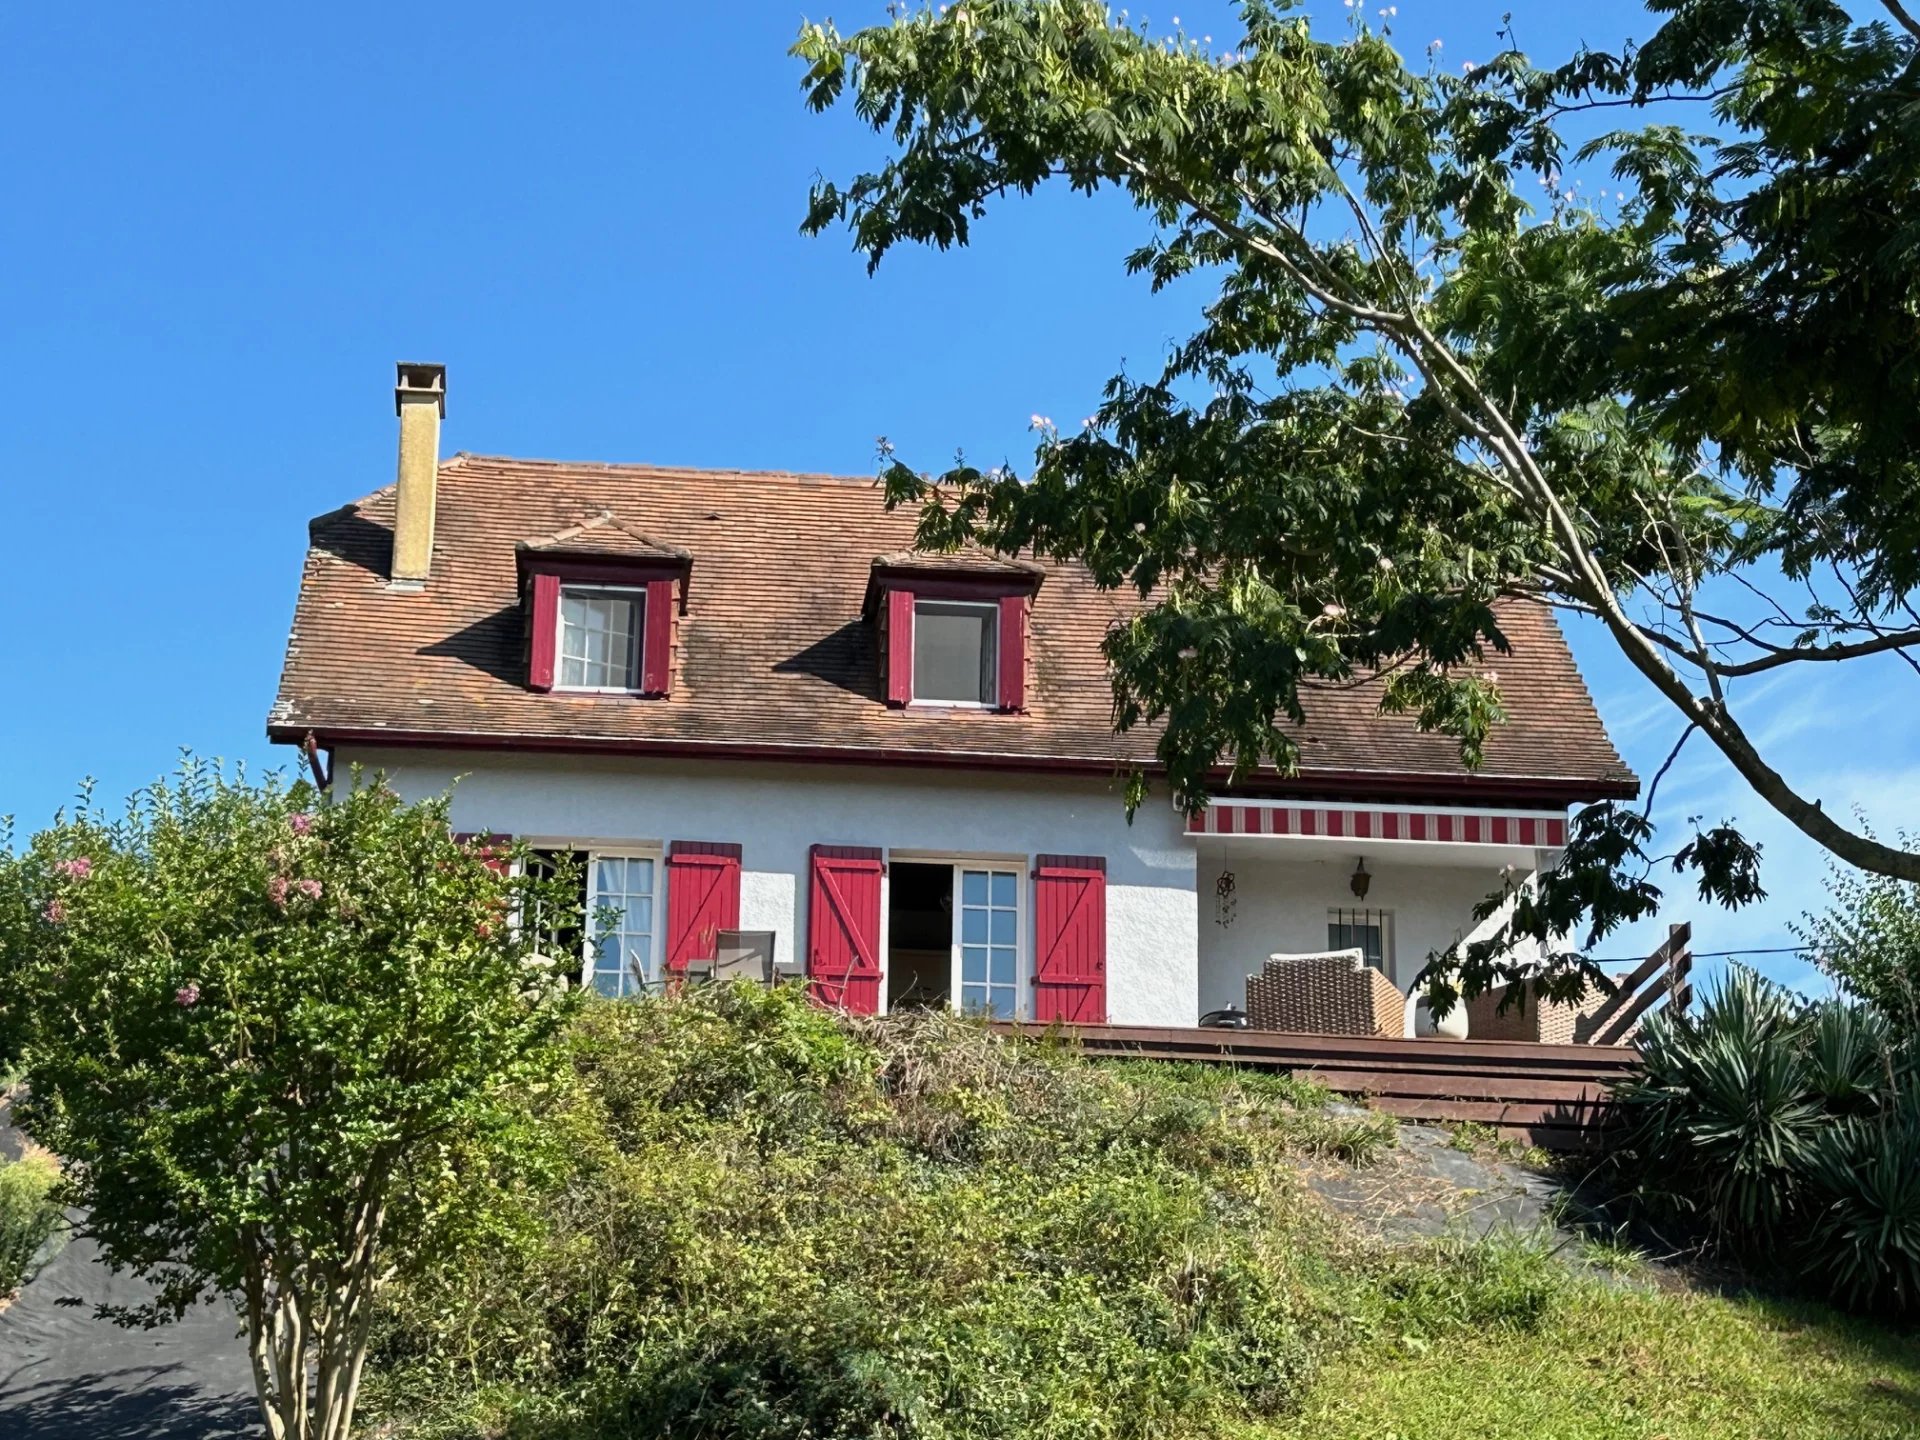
column 783, row 1223
column 29, row 1217
column 1788, row 1130
column 287, row 1047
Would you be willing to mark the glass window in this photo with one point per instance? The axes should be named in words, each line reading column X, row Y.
column 1368, row 931
column 953, row 652
column 622, row 923
column 600, row 639
column 561, row 933
column 989, row 922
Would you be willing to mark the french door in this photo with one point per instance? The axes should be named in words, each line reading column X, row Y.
column 986, row 941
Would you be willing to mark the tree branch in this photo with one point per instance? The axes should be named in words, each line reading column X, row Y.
column 1899, row 12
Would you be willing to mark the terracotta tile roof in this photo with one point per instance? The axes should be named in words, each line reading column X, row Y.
column 603, row 534
column 772, row 656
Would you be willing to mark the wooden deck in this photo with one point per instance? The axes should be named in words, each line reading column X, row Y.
column 1547, row 1095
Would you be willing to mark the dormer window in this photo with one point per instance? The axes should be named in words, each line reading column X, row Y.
column 955, row 650
column 600, row 605
column 952, row 629
column 600, row 638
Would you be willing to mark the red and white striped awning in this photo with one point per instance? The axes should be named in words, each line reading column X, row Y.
column 1542, row 829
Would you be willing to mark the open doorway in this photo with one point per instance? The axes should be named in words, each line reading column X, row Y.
column 919, row 936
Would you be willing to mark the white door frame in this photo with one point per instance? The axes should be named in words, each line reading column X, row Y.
column 959, row 860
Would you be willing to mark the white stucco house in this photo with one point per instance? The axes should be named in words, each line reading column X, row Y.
column 748, row 704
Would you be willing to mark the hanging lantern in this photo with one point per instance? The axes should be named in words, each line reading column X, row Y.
column 1361, row 880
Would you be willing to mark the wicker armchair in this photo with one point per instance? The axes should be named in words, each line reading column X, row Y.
column 1331, row 993
column 1544, row 1022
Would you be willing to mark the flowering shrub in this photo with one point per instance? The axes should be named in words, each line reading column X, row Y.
column 285, row 1050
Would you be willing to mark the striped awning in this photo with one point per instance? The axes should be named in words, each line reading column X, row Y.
column 1542, row 829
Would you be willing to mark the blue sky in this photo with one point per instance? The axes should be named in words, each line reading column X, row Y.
column 225, row 222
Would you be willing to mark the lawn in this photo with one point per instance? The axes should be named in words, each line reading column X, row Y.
column 1607, row 1365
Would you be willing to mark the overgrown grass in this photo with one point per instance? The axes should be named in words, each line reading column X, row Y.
column 782, row 1226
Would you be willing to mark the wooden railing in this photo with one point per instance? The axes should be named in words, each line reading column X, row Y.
column 1664, row 975
column 1548, row 1095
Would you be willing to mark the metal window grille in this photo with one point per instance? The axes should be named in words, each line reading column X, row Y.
column 1368, row 931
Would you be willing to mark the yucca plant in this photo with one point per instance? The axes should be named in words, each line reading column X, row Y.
column 1863, row 1240
column 1717, row 1123
column 1789, row 1130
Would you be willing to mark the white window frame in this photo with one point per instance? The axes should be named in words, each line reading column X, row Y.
column 993, row 609
column 596, row 851
column 636, row 593
column 1022, row 988
column 1335, row 914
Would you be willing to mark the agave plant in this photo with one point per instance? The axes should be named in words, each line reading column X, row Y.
column 1863, row 1240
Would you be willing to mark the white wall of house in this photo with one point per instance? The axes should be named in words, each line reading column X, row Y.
column 1282, row 906
column 776, row 812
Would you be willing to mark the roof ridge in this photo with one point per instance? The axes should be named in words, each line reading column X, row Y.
column 639, row 467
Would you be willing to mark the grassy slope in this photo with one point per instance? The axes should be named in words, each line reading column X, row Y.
column 780, row 1229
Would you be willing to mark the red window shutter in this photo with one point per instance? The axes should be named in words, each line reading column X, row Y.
column 703, row 898
column 899, row 647
column 492, row 849
column 545, row 620
column 1070, row 939
column 1013, row 652
column 843, row 928
column 656, row 654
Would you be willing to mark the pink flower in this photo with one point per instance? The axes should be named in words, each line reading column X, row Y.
column 188, row 994
column 55, row 913
column 277, row 890
column 300, row 824
column 78, row 868
column 308, row 888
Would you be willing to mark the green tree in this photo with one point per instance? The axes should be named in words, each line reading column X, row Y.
column 1430, row 380
column 288, row 1047
column 1868, row 939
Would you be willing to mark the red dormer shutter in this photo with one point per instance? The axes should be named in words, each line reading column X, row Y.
column 544, row 617
column 1013, row 652
column 656, row 655
column 899, row 647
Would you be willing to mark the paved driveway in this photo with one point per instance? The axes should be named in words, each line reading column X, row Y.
column 66, row 1374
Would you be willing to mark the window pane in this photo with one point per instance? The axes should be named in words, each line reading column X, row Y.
column 1004, row 887
column 1002, row 966
column 973, row 963
column 953, row 651
column 973, row 927
column 1002, row 1004
column 973, row 887
column 607, row 985
column 599, row 631
column 973, row 997
column 1003, row 927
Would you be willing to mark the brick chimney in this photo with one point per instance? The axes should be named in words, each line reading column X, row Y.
column 420, row 400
